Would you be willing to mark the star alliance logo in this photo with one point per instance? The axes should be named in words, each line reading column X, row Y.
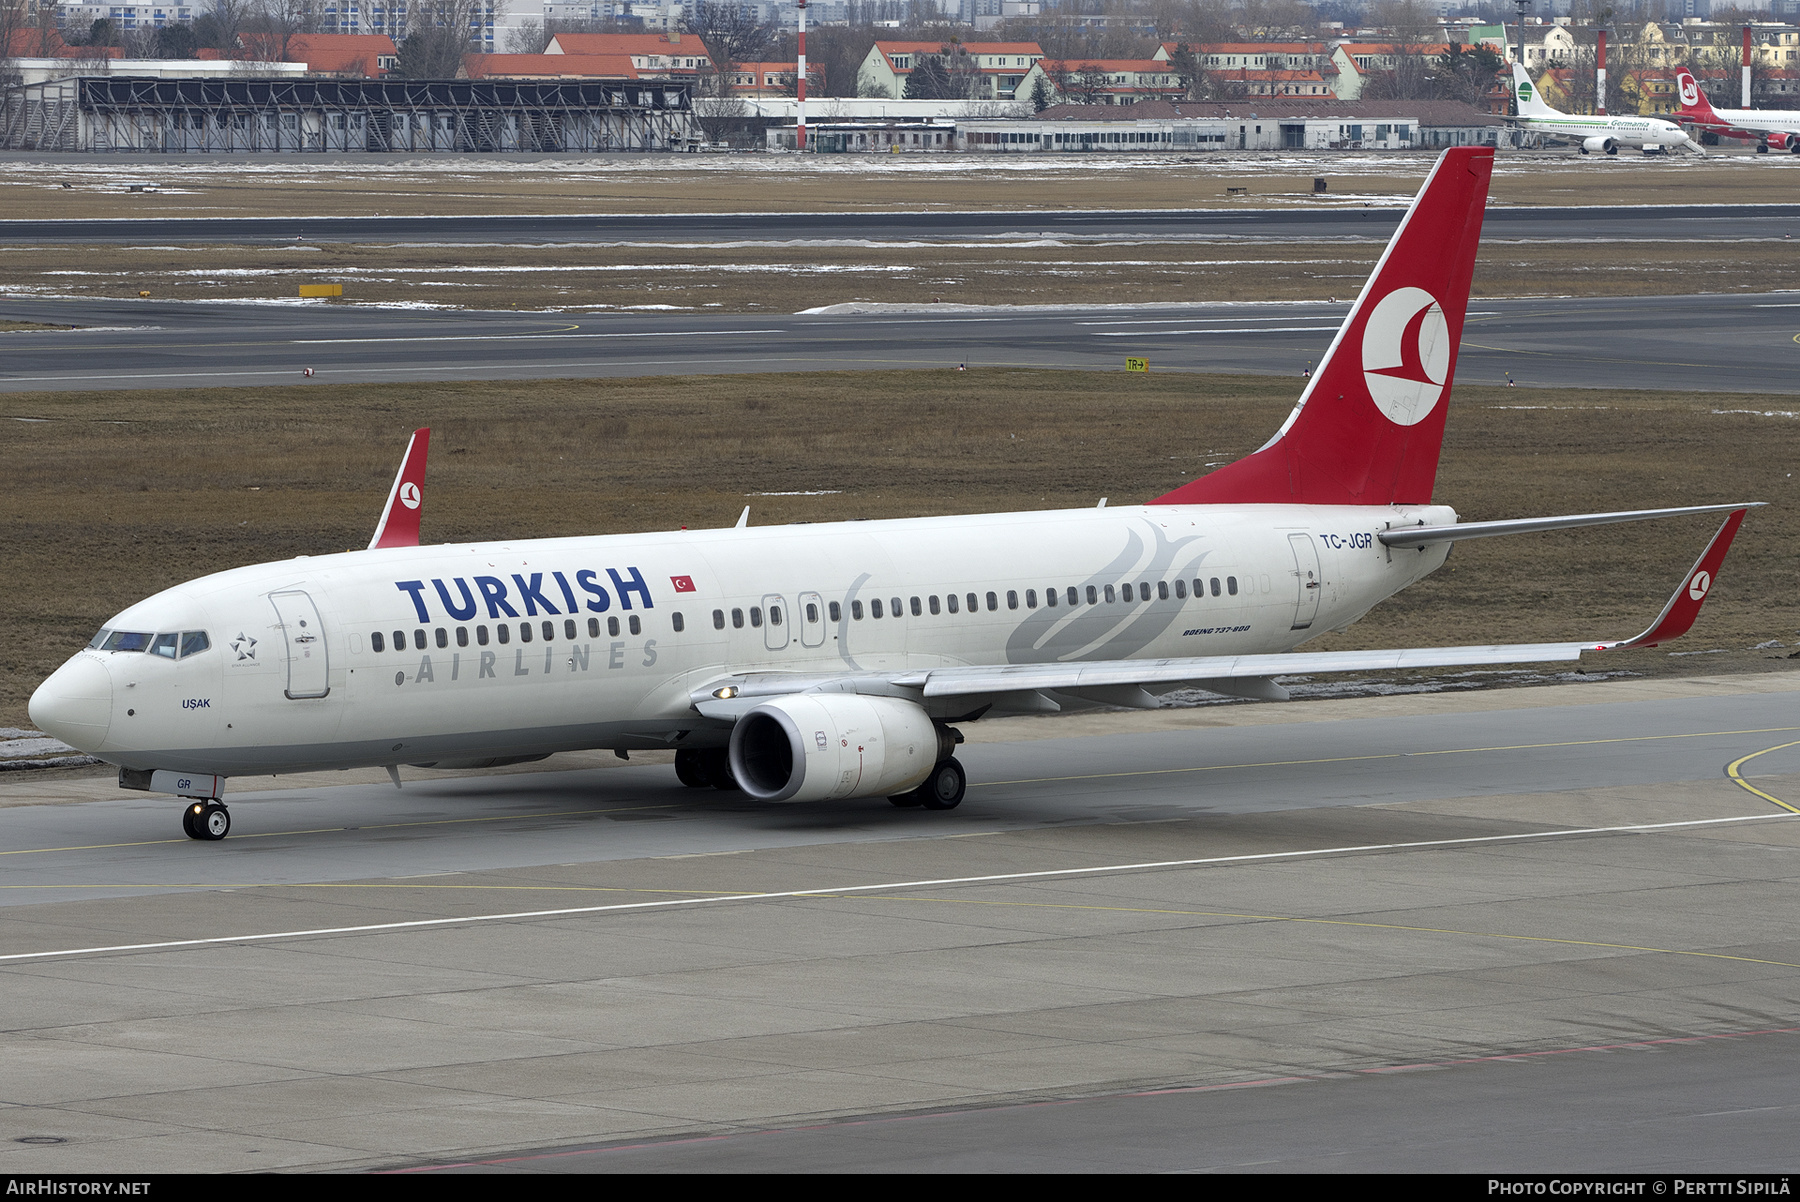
column 245, row 646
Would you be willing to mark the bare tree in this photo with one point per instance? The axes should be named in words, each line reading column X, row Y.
column 731, row 33
column 272, row 26
column 439, row 33
column 220, row 24
column 527, row 37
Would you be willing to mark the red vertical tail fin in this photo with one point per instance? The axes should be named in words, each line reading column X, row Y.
column 399, row 525
column 1694, row 104
column 1368, row 428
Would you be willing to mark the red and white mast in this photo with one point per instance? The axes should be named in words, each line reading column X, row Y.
column 1746, row 103
column 1600, row 82
column 800, row 80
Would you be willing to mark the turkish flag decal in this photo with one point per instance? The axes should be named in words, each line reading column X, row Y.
column 683, row 584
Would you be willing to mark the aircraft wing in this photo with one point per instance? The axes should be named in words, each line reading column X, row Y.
column 1128, row 682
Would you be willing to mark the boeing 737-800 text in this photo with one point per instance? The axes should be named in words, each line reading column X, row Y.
column 814, row 662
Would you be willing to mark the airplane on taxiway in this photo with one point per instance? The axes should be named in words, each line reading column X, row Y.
column 1597, row 133
column 817, row 662
column 1765, row 127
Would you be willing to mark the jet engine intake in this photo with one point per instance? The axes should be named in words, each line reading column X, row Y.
column 825, row 746
column 1590, row 145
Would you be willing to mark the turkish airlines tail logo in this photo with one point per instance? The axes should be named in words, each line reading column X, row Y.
column 1406, row 355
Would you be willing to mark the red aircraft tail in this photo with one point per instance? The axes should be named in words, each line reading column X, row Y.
column 399, row 525
column 1694, row 104
column 1368, row 428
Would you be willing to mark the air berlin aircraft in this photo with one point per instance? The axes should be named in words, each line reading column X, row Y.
column 818, row 662
column 1765, row 127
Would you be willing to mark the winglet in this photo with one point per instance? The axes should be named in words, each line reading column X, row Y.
column 1679, row 614
column 399, row 525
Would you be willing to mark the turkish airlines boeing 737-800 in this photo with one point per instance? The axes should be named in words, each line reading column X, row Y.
column 814, row 662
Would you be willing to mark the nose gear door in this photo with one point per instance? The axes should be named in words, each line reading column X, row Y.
column 304, row 636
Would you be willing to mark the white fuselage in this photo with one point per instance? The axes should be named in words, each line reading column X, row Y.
column 1636, row 132
column 458, row 653
column 1758, row 120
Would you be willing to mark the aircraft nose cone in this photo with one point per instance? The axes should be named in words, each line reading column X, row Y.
column 75, row 704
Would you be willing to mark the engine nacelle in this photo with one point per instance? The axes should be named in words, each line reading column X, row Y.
column 1589, row 145
column 824, row 746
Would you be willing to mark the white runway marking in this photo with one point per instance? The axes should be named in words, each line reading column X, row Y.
column 1163, row 333
column 525, row 337
column 999, row 878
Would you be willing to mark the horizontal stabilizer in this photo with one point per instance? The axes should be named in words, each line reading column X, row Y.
column 1418, row 536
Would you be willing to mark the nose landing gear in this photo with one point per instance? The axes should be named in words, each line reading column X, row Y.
column 208, row 820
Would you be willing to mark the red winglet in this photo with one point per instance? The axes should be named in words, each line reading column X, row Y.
column 1679, row 614
column 399, row 525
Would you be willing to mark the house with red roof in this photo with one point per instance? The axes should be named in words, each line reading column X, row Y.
column 1002, row 66
column 344, row 55
column 671, row 55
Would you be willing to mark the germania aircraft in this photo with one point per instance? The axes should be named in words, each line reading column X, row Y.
column 814, row 662
column 1765, row 127
column 1594, row 133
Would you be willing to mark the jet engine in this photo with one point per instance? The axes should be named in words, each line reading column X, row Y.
column 1589, row 145
column 824, row 746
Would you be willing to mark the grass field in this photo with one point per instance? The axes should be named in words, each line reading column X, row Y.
column 361, row 185
column 108, row 498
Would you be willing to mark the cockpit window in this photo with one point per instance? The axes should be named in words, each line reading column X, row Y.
column 127, row 640
column 193, row 642
column 164, row 646
column 99, row 639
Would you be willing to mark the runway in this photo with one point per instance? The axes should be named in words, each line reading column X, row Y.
column 1704, row 343
column 549, row 968
column 1551, row 222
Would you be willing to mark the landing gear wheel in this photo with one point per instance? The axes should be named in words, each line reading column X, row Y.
column 944, row 788
column 690, row 769
column 207, row 820
column 718, row 770
column 1762, row 148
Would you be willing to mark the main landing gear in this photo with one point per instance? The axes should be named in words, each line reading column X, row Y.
column 208, row 820
column 698, row 769
column 942, row 790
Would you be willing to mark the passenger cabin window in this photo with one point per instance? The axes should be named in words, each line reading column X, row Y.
column 1215, row 586
column 636, row 626
column 1050, row 597
column 918, row 607
column 1181, row 590
column 993, row 602
column 1012, row 598
column 1093, row 597
column 612, row 626
column 856, row 610
column 951, row 602
column 677, row 622
column 569, row 628
column 718, row 620
column 594, row 624
column 550, row 632
column 418, row 640
column 1162, row 590
column 875, row 607
column 737, row 621
column 973, row 603
column 837, row 612
column 481, row 636
column 812, row 612
column 774, row 615
column 164, row 645
column 1030, row 598
column 503, row 632
column 756, row 616
column 1124, row 593
column 1110, row 596
column 376, row 642
column 932, row 602
column 1231, row 585
column 1074, row 597
column 462, row 636
column 524, row 632
column 894, row 607
column 443, row 637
